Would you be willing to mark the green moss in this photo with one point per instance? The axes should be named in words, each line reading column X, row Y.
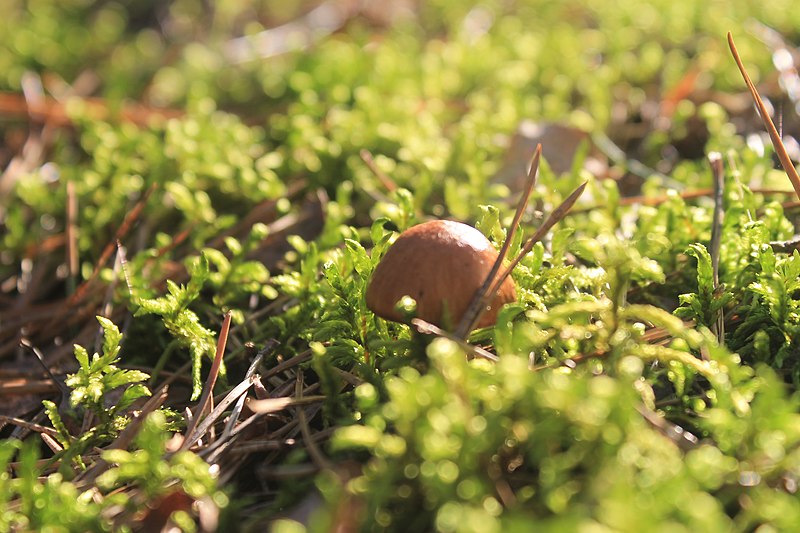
column 254, row 199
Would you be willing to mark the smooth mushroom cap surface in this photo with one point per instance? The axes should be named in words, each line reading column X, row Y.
column 440, row 264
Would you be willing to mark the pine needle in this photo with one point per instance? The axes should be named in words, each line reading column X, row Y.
column 777, row 143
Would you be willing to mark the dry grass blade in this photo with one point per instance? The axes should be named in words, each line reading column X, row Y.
column 205, row 425
column 295, row 35
column 65, row 391
column 212, row 452
column 487, row 290
column 777, row 143
column 123, row 230
column 127, row 435
column 559, row 213
column 313, row 450
column 205, row 399
column 269, row 347
column 273, row 405
column 685, row 440
column 289, row 363
column 430, row 329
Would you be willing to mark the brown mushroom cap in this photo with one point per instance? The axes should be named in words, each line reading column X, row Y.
column 440, row 264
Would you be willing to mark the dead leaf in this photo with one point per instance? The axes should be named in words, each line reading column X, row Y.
column 560, row 144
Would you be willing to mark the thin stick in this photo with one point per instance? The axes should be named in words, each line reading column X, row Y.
column 38, row 428
column 296, row 35
column 715, row 159
column 686, row 195
column 786, row 247
column 484, row 294
column 51, row 443
column 777, row 143
column 65, row 391
column 684, row 439
column 19, row 386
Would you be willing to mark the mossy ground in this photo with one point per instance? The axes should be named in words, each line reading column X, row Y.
column 220, row 197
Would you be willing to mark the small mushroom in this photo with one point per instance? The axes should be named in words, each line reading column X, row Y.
column 440, row 264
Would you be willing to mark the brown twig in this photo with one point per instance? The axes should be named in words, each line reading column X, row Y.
column 213, row 451
column 786, row 247
column 38, row 428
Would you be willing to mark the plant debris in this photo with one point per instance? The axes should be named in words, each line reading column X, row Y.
column 194, row 199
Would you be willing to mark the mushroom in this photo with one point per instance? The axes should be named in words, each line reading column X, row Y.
column 440, row 264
